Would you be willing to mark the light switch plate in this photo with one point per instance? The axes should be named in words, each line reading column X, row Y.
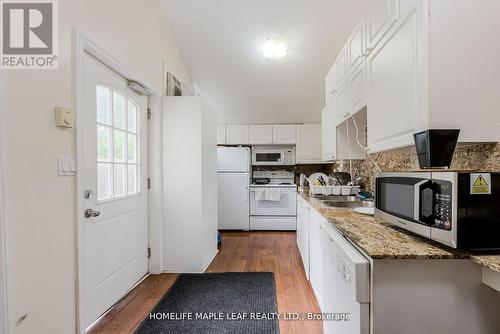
column 64, row 117
column 66, row 166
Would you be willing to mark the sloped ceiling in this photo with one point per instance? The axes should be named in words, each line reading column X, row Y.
column 221, row 44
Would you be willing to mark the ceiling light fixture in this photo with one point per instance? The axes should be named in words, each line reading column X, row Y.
column 274, row 48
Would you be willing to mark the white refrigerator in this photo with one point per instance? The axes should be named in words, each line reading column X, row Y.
column 233, row 171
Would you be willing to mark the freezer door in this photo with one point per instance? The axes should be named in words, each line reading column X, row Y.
column 233, row 159
column 233, row 201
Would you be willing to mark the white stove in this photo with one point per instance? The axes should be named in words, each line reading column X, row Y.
column 281, row 178
column 278, row 211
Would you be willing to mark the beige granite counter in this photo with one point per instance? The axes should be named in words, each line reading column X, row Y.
column 379, row 239
column 489, row 261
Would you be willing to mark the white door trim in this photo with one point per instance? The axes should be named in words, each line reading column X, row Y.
column 4, row 305
column 82, row 45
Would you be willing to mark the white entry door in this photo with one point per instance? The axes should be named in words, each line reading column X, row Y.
column 114, row 199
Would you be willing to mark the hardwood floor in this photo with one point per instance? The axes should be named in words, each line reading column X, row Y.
column 240, row 252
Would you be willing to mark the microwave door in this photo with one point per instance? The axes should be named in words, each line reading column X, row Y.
column 268, row 158
column 399, row 201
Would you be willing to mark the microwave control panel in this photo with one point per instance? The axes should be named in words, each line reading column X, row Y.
column 442, row 204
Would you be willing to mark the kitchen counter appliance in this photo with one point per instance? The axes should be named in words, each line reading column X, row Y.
column 278, row 211
column 457, row 209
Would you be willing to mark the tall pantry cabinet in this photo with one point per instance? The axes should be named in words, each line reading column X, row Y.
column 189, row 184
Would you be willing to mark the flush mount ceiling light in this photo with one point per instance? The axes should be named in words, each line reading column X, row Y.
column 274, row 48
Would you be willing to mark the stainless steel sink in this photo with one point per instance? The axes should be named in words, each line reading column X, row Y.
column 350, row 204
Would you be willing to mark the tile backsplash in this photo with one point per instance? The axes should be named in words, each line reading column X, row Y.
column 299, row 169
column 485, row 157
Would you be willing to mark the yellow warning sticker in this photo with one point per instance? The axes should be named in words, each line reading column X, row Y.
column 480, row 183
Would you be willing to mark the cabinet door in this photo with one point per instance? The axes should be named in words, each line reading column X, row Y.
column 316, row 255
column 395, row 92
column 340, row 71
column 303, row 233
column 337, row 76
column 329, row 85
column 340, row 105
column 237, row 134
column 356, row 46
column 308, row 148
column 381, row 16
column 328, row 133
column 260, row 134
column 357, row 89
column 221, row 134
column 284, row 134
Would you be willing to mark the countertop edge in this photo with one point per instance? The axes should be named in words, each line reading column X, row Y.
column 437, row 252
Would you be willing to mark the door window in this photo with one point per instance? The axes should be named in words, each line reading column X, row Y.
column 117, row 144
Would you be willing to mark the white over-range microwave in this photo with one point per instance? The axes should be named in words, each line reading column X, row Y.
column 273, row 155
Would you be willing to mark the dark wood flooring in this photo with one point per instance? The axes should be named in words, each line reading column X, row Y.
column 240, row 252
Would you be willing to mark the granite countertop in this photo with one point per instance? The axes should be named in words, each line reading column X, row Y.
column 489, row 261
column 379, row 239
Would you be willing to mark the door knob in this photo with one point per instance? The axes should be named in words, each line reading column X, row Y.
column 89, row 213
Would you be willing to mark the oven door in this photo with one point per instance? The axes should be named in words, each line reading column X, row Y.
column 286, row 206
column 267, row 157
column 406, row 200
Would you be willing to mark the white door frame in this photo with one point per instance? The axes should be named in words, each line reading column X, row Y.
column 82, row 45
column 4, row 305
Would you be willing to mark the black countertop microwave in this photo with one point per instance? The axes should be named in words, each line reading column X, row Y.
column 460, row 210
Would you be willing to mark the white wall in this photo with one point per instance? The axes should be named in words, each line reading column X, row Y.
column 40, row 206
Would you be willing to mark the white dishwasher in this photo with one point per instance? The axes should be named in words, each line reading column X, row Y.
column 346, row 285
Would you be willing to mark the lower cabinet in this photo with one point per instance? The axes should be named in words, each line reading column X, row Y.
column 316, row 255
column 303, row 232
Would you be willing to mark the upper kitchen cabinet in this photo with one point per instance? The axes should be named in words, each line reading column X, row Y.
column 356, row 47
column 237, row 134
column 340, row 103
column 337, row 76
column 260, row 134
column 221, row 134
column 284, row 134
column 328, row 133
column 464, row 68
column 395, row 85
column 357, row 89
column 381, row 16
column 435, row 73
column 308, row 147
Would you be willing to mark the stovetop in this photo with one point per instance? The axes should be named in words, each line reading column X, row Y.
column 279, row 178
